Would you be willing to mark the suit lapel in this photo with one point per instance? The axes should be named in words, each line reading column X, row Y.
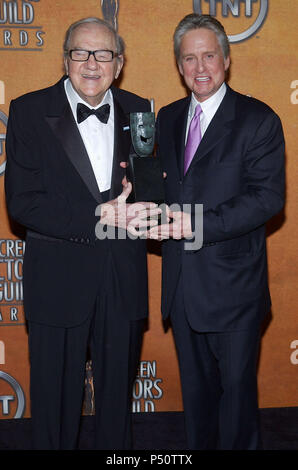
column 179, row 134
column 219, row 127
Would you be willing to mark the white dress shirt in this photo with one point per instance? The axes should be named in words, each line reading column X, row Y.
column 98, row 137
column 209, row 108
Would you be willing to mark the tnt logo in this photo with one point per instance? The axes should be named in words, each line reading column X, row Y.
column 235, row 8
column 12, row 398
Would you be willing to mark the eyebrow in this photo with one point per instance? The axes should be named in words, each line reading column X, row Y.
column 204, row 53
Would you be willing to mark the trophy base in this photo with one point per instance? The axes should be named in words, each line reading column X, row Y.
column 145, row 174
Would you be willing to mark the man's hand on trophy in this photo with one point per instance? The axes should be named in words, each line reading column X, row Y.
column 135, row 218
column 178, row 226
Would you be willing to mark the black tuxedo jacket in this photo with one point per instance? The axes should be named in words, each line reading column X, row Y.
column 238, row 175
column 52, row 191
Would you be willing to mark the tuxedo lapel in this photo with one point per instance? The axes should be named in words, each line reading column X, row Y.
column 61, row 120
column 121, row 148
column 65, row 129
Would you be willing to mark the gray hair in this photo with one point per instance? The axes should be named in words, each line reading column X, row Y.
column 196, row 21
column 120, row 45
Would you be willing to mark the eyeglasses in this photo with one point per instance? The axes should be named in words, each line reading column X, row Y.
column 80, row 55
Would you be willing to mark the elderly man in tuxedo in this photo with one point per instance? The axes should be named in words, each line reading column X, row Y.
column 65, row 145
column 225, row 151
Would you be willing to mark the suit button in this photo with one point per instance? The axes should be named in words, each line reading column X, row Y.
column 180, row 182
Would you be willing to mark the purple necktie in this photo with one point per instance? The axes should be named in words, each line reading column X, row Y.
column 193, row 139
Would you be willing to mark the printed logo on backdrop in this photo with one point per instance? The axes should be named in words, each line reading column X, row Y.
column 11, row 255
column 11, row 282
column 19, row 27
column 294, row 94
column 146, row 389
column 12, row 403
column 256, row 10
column 12, row 398
column 294, row 354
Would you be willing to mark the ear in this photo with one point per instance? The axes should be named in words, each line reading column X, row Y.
column 180, row 68
column 227, row 62
column 120, row 63
column 66, row 65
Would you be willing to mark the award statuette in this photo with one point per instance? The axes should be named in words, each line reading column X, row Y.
column 144, row 170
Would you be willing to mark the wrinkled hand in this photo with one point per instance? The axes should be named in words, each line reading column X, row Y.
column 178, row 226
column 131, row 217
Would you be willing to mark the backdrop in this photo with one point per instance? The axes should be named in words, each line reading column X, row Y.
column 264, row 38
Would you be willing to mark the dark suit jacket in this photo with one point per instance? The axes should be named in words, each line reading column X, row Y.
column 238, row 176
column 52, row 191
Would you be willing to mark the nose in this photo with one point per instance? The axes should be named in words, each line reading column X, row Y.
column 91, row 62
column 200, row 65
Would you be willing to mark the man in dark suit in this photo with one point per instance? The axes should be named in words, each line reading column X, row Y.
column 226, row 151
column 79, row 291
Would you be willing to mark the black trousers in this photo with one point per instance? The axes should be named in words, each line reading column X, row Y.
column 58, row 358
column 219, row 384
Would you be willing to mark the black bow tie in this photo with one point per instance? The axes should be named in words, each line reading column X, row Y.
column 101, row 113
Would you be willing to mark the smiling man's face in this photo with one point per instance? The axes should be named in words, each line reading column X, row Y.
column 201, row 62
column 92, row 79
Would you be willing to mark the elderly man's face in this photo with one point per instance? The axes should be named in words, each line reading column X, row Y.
column 92, row 79
column 202, row 63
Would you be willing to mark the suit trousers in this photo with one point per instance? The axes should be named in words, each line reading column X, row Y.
column 219, row 383
column 58, row 360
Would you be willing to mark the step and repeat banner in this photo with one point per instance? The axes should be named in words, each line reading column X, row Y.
column 264, row 38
